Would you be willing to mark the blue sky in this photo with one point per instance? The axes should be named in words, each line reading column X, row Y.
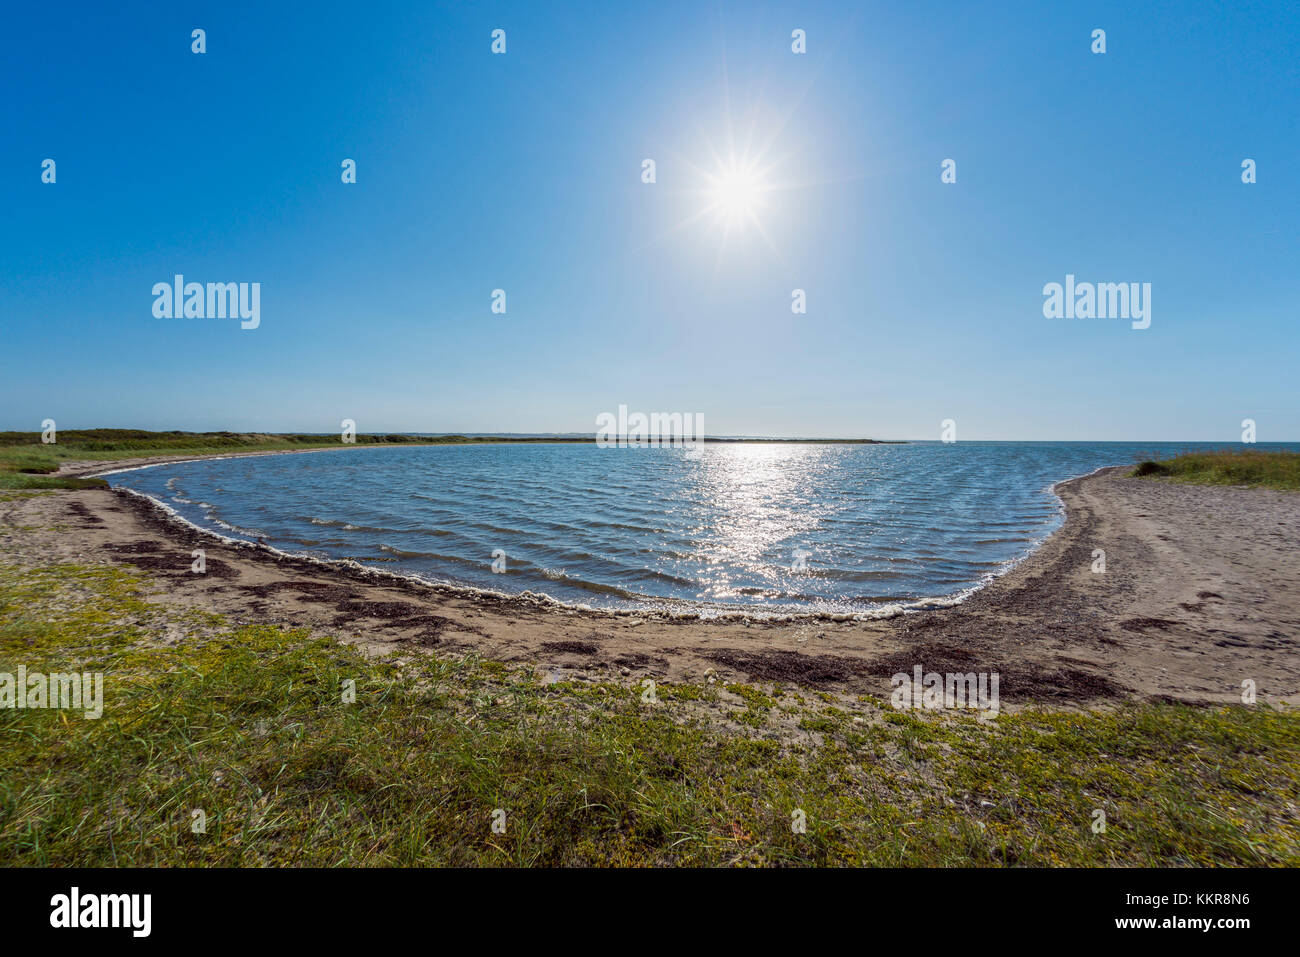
column 522, row 172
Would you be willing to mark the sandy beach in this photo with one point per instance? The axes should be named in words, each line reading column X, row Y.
column 1197, row 596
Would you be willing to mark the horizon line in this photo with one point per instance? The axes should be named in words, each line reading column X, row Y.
column 652, row 439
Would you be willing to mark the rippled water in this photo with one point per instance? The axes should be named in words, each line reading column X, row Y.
column 875, row 525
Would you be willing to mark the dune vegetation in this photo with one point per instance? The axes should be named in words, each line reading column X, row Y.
column 1251, row 467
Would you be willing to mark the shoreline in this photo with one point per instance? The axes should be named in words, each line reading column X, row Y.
column 1056, row 632
column 167, row 513
column 721, row 613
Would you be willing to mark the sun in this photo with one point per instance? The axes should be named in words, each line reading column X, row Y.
column 737, row 193
column 734, row 182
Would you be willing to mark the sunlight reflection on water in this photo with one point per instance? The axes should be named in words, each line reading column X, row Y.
column 780, row 527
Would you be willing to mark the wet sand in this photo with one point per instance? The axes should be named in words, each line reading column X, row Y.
column 1198, row 595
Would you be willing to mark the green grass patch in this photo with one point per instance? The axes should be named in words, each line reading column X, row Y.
column 19, row 480
column 249, row 726
column 1266, row 469
column 29, row 467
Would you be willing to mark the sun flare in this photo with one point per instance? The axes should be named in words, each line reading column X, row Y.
column 735, row 184
column 736, row 194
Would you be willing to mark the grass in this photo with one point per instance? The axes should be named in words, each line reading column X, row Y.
column 1280, row 470
column 248, row 725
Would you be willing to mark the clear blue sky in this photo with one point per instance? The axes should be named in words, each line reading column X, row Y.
column 522, row 172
